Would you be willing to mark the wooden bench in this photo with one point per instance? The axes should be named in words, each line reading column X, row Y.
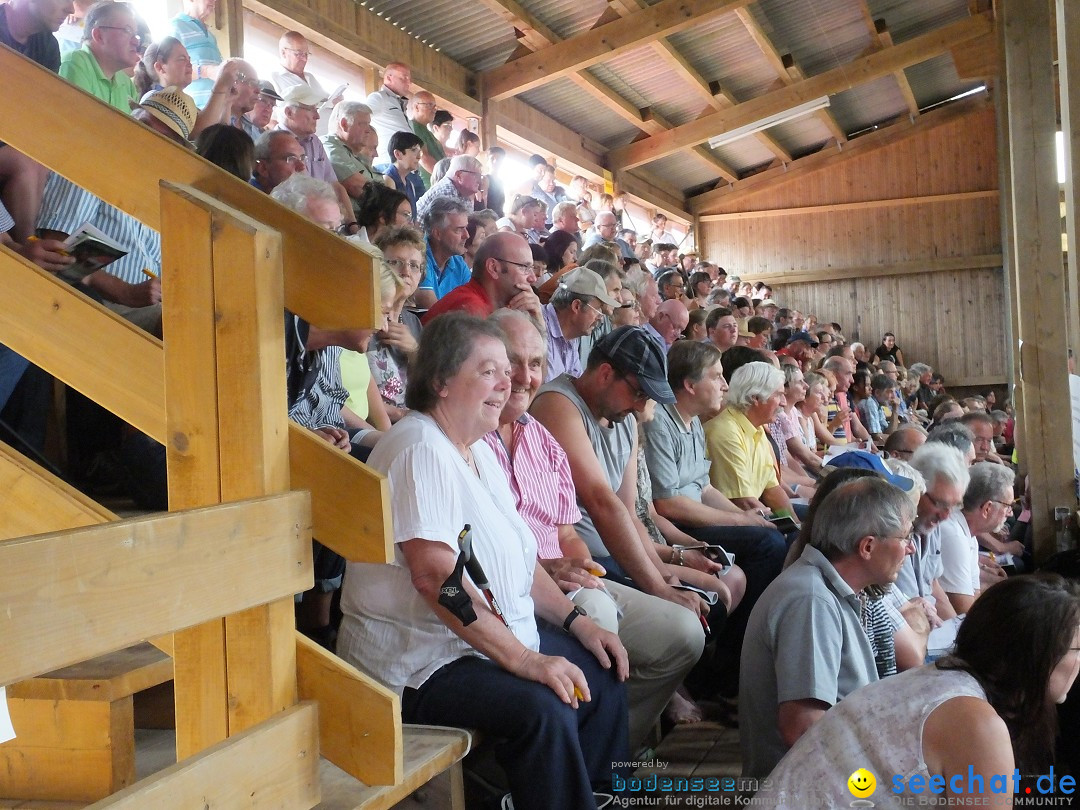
column 429, row 750
column 75, row 727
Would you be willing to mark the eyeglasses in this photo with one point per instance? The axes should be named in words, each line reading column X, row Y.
column 1006, row 504
column 520, row 265
column 941, row 506
column 639, row 395
column 599, row 312
column 468, row 171
column 292, row 160
column 910, row 539
column 297, row 51
column 127, row 29
column 401, row 264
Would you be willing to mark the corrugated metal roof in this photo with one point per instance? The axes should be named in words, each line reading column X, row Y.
column 936, row 80
column 468, row 33
column 645, row 79
column 868, row 104
column 820, row 34
column 565, row 17
column 574, row 108
column 743, row 154
column 682, row 170
column 722, row 50
column 907, row 19
column 803, row 136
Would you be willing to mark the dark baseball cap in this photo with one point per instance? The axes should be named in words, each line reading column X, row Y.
column 632, row 350
column 804, row 337
column 862, row 460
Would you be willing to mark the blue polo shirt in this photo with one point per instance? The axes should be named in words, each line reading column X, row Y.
column 453, row 275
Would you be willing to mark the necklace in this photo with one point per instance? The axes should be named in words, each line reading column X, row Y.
column 466, row 454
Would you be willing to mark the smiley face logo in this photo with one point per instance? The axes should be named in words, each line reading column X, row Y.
column 862, row 783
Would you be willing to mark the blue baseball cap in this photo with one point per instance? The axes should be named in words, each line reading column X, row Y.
column 860, row 459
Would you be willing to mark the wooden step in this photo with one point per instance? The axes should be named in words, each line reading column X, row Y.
column 429, row 750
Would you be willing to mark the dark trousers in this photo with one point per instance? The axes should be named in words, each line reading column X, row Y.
column 552, row 754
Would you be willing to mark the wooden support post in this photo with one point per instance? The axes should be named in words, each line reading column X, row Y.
column 1032, row 123
column 230, row 28
column 1068, row 51
column 228, row 439
column 489, row 123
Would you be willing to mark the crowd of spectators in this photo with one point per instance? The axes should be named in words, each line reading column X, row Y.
column 631, row 439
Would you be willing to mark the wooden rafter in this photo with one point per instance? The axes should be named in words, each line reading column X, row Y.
column 602, row 43
column 864, row 69
column 531, row 32
column 883, row 39
column 785, row 67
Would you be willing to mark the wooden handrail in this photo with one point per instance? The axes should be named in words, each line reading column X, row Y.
column 328, row 281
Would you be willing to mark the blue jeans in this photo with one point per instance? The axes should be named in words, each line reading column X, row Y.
column 12, row 367
column 552, row 754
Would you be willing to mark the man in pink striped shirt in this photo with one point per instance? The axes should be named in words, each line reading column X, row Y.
column 662, row 639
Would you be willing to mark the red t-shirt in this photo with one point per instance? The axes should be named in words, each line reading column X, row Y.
column 469, row 297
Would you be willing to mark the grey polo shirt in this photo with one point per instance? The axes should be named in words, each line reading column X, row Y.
column 804, row 640
column 676, row 455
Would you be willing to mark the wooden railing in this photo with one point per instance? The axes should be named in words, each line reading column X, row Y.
column 213, row 393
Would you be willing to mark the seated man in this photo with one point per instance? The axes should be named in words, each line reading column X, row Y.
column 884, row 392
column 981, row 425
column 502, row 276
column 349, row 130
column 446, row 226
column 662, row 640
column 743, row 466
column 278, row 156
column 805, row 647
column 461, row 182
column 668, row 322
column 947, row 477
column 574, row 309
column 987, row 503
column 902, row 443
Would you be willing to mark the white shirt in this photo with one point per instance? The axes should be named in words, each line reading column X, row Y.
column 387, row 116
column 284, row 79
column 959, row 556
column 388, row 630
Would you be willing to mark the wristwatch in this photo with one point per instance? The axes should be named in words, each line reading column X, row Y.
column 569, row 620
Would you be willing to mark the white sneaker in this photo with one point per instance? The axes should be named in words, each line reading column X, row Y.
column 507, row 802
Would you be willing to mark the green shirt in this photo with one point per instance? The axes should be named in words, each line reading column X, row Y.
column 81, row 68
column 433, row 147
column 346, row 163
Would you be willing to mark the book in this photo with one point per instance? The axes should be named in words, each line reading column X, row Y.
column 92, row 250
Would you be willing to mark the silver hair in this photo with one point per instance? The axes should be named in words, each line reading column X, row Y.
column 605, row 215
column 837, row 363
column 296, row 192
column 560, row 209
column 941, row 461
column 988, row 482
column 265, row 141
column 347, row 111
column 865, row 506
column 504, row 314
column 464, row 163
column 900, row 467
column 439, row 171
column 637, row 281
column 918, row 369
column 954, row 434
column 753, row 380
column 440, row 209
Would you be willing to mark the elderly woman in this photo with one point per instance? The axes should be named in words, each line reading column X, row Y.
column 787, row 433
column 551, row 696
column 743, row 464
column 986, row 709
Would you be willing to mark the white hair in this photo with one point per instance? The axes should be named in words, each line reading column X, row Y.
column 298, row 190
column 941, row 461
column 607, row 215
column 753, row 381
column 900, row 467
column 464, row 163
column 348, row 111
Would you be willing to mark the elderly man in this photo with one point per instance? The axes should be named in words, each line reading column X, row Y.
column 502, row 276
column 446, row 227
column 743, row 465
column 957, row 435
column 523, row 211
column 461, row 182
column 421, row 112
column 190, row 28
column 677, row 456
column 564, row 218
column 243, row 94
column 672, row 285
column 947, row 478
column 722, row 328
column 669, row 322
column 981, row 425
column 925, row 395
column 643, row 286
column 388, row 103
column 278, row 156
column 350, row 129
column 293, row 53
column 903, row 443
column 110, row 48
column 257, row 119
column 805, row 647
column 573, row 312
column 300, row 116
column 27, row 26
column 841, row 421
column 663, row 641
column 987, row 503
column 604, row 230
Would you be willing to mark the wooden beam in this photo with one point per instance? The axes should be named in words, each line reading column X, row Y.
column 124, row 371
column 229, row 25
column 978, row 59
column 274, row 764
column 884, row 39
column 1068, row 53
column 910, row 268
column 599, row 44
column 864, row 144
column 534, row 33
column 357, row 35
column 315, row 260
column 862, row 70
column 359, row 718
column 834, row 208
column 1029, row 80
column 72, row 595
column 353, row 499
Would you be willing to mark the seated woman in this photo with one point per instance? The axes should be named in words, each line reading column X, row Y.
column 786, row 433
column 395, row 344
column 986, row 709
column 381, row 207
column 167, row 64
column 551, row 697
column 561, row 251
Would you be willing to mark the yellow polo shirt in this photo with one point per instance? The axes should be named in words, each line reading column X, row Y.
column 742, row 464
